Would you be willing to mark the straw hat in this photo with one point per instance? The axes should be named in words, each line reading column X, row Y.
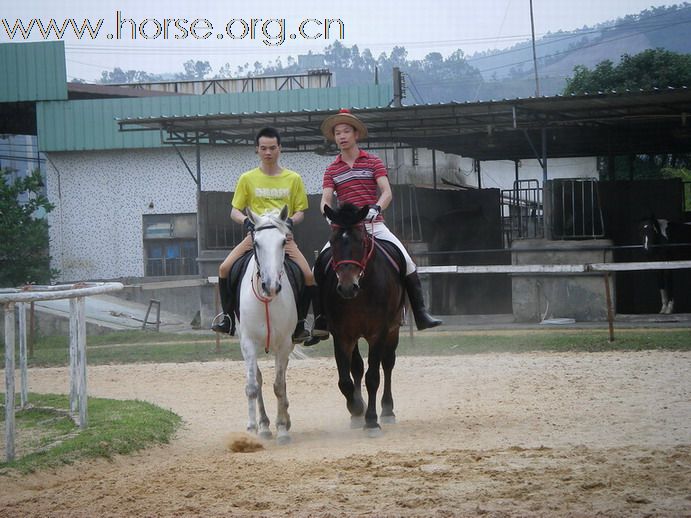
column 342, row 117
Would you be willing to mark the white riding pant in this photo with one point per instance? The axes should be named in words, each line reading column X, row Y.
column 379, row 230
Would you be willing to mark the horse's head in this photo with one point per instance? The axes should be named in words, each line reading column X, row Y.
column 269, row 236
column 351, row 247
column 652, row 232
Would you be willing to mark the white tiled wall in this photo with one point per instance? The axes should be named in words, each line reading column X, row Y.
column 101, row 196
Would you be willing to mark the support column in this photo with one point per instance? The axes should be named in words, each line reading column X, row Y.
column 9, row 382
column 23, row 366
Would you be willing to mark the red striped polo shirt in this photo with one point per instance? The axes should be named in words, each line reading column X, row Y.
column 357, row 184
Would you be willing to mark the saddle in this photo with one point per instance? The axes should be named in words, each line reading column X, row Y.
column 394, row 258
column 237, row 272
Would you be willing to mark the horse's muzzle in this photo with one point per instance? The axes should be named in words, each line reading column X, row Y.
column 349, row 291
column 348, row 277
column 271, row 289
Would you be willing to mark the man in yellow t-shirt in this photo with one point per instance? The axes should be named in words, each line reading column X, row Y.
column 266, row 188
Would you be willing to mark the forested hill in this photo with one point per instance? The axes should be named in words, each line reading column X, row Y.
column 495, row 74
column 558, row 53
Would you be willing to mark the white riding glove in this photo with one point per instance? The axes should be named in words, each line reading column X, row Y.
column 374, row 211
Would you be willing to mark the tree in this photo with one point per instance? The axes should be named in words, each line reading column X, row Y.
column 652, row 68
column 120, row 76
column 196, row 70
column 23, row 236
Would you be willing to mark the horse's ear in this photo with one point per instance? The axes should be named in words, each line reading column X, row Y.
column 362, row 213
column 284, row 213
column 329, row 212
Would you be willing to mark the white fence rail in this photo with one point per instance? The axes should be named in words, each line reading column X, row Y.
column 558, row 268
column 12, row 299
column 605, row 269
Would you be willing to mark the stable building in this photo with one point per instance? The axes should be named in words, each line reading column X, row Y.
column 142, row 178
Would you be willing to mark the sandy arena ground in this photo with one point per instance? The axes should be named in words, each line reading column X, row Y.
column 602, row 434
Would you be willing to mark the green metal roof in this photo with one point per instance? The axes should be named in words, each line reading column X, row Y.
column 91, row 124
column 33, row 71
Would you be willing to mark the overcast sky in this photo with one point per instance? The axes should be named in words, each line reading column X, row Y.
column 263, row 31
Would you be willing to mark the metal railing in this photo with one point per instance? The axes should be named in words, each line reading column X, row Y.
column 522, row 211
column 15, row 298
column 159, row 267
column 223, row 237
column 573, row 209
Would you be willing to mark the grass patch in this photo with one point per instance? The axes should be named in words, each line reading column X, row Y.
column 46, row 437
column 562, row 340
column 147, row 347
column 124, row 347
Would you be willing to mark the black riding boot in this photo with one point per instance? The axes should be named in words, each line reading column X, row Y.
column 320, row 330
column 222, row 323
column 423, row 320
column 301, row 334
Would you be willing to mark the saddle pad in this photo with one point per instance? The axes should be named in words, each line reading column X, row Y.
column 237, row 272
column 389, row 250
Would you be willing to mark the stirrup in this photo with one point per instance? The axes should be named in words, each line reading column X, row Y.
column 300, row 334
column 311, row 341
column 221, row 323
column 322, row 334
column 320, row 331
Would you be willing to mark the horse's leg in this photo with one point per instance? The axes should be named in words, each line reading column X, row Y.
column 343, row 353
column 372, row 379
column 357, row 369
column 388, row 362
column 251, row 386
column 264, row 423
column 669, row 286
column 283, row 418
column 662, row 285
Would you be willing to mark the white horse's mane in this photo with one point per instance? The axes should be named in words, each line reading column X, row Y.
column 272, row 217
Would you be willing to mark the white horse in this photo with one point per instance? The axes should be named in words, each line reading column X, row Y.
column 268, row 316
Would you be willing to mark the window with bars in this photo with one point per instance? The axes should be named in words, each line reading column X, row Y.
column 170, row 244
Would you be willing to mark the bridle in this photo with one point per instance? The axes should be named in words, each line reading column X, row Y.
column 256, row 258
column 367, row 247
column 256, row 279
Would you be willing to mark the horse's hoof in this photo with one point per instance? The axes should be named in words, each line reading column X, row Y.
column 251, row 429
column 374, row 433
column 283, row 439
column 357, row 421
column 265, row 434
column 388, row 419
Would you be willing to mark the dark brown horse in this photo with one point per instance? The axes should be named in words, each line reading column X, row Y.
column 665, row 240
column 362, row 291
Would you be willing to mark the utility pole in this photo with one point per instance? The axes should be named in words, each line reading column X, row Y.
column 532, row 30
column 398, row 87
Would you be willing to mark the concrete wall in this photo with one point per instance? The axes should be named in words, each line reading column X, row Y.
column 578, row 296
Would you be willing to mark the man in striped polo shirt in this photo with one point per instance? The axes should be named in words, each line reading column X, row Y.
column 360, row 178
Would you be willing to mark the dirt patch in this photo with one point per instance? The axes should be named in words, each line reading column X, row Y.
column 483, row 435
column 244, row 443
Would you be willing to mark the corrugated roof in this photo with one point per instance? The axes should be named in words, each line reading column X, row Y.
column 651, row 121
column 91, row 124
column 33, row 71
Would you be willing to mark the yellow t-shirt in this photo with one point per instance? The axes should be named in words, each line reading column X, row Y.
column 263, row 193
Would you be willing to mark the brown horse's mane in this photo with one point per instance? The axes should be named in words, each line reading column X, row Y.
column 348, row 215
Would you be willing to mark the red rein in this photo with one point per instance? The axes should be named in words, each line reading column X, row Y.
column 265, row 301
